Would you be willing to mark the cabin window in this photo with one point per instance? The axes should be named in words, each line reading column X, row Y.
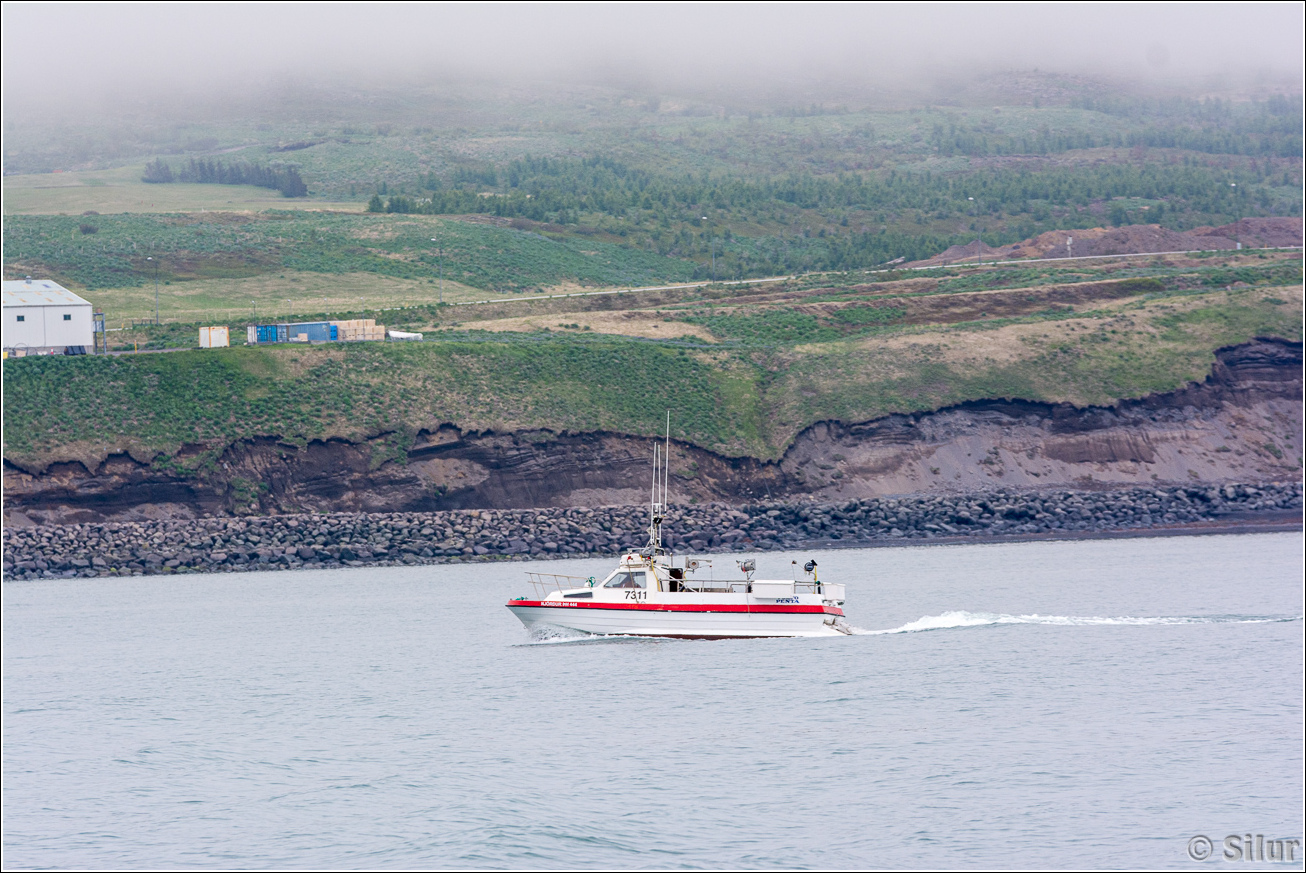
column 67, row 317
column 626, row 580
column 22, row 318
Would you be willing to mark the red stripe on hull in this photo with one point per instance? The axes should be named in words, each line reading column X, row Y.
column 755, row 608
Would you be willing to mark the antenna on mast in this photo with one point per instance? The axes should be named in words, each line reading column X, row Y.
column 666, row 460
column 658, row 493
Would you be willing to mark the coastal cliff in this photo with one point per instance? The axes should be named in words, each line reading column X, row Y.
column 1241, row 424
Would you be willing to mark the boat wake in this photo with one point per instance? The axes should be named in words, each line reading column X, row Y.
column 550, row 635
column 962, row 619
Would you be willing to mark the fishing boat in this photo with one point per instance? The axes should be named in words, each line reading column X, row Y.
column 653, row 593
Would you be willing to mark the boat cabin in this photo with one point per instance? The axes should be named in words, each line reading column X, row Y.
column 640, row 576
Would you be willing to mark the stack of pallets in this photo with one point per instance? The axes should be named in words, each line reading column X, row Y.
column 359, row 330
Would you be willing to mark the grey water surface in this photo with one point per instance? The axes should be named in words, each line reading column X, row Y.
column 1054, row 704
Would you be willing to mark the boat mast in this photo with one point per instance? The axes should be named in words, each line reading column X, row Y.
column 658, row 493
column 666, row 466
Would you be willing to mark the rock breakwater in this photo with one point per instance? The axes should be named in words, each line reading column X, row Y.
column 393, row 539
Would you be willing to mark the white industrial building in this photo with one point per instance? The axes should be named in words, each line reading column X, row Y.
column 43, row 317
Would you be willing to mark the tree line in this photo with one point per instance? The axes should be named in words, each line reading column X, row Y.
column 974, row 142
column 803, row 222
column 559, row 190
column 278, row 177
column 1268, row 128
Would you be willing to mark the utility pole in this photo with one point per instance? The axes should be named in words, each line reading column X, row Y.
column 439, row 257
column 711, row 249
column 156, row 289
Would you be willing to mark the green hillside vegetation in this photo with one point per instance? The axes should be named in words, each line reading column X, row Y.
column 770, row 323
column 110, row 251
column 801, row 222
column 777, row 370
column 348, row 143
column 762, row 315
column 731, row 189
column 813, row 308
column 120, row 189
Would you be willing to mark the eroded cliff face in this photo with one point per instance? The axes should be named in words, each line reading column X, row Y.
column 1244, row 420
column 1243, row 423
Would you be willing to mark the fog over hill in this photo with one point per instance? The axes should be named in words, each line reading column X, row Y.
column 863, row 54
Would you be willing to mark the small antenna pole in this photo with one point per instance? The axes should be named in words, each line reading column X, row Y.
column 666, row 474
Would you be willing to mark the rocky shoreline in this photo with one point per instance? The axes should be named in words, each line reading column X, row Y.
column 319, row 540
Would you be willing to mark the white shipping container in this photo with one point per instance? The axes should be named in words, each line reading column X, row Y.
column 214, row 338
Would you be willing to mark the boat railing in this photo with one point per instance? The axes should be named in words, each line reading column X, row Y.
column 722, row 586
column 713, row 586
column 546, row 583
column 717, row 586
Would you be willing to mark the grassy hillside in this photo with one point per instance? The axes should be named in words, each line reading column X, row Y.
column 110, row 251
column 739, row 389
column 120, row 189
column 347, row 143
column 721, row 190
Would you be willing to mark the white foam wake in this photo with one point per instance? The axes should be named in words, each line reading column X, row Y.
column 961, row 618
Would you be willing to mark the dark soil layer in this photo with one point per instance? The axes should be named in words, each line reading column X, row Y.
column 392, row 539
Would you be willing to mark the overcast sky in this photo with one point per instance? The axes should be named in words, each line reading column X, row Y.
column 65, row 49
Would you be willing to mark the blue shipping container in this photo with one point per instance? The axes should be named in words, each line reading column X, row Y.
column 317, row 331
column 272, row 333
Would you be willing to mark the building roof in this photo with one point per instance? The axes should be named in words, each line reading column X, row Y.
column 39, row 292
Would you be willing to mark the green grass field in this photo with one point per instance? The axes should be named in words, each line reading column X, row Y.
column 291, row 252
column 287, row 295
column 120, row 190
column 735, row 400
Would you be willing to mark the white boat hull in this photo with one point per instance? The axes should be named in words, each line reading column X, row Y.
column 688, row 621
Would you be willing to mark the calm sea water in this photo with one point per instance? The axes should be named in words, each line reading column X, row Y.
column 1074, row 704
